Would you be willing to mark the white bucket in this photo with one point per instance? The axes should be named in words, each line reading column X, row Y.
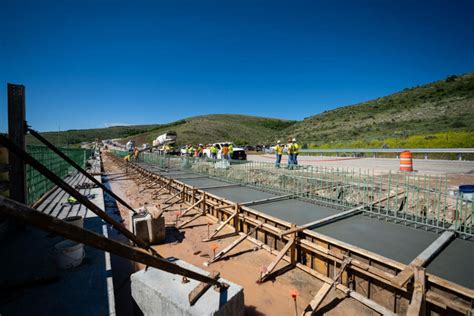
column 69, row 254
column 75, row 220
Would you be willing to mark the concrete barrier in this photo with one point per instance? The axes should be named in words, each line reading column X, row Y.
column 161, row 293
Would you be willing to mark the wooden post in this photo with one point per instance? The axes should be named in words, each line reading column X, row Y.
column 16, row 132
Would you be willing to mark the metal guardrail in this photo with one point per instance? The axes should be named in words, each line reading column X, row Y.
column 392, row 150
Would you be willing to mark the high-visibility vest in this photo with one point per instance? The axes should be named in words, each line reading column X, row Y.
column 296, row 149
column 225, row 150
column 214, row 150
column 279, row 149
column 231, row 149
column 291, row 149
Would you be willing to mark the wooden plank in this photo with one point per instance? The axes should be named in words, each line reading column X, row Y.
column 233, row 245
column 172, row 197
column 318, row 298
column 221, row 226
column 195, row 217
column 202, row 287
column 220, row 186
column 417, row 304
column 275, row 262
column 16, row 134
column 277, row 198
column 313, row 306
column 191, row 207
column 423, row 258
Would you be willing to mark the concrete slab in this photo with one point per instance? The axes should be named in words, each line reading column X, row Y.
column 161, row 293
column 241, row 194
column 295, row 211
column 203, row 182
column 394, row 241
column 455, row 263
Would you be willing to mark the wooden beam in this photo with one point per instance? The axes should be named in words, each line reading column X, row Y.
column 191, row 207
column 423, row 258
column 16, row 134
column 220, row 186
column 202, row 287
column 172, row 197
column 33, row 217
column 232, row 245
column 192, row 219
column 417, row 304
column 221, row 226
column 276, row 198
column 324, row 290
column 275, row 262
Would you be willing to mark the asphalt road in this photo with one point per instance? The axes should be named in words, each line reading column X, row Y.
column 382, row 165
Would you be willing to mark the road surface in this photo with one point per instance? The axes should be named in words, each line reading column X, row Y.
column 436, row 167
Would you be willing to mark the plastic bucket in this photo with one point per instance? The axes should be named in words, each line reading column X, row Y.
column 69, row 254
column 75, row 220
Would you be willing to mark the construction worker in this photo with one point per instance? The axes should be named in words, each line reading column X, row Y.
column 291, row 150
column 214, row 152
column 231, row 151
column 278, row 153
column 225, row 152
column 201, row 151
column 296, row 151
column 135, row 153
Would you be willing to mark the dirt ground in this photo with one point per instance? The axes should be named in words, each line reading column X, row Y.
column 241, row 266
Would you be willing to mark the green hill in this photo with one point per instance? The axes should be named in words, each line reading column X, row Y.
column 439, row 114
column 241, row 129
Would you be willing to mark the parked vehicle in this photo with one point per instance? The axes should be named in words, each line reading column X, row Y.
column 238, row 154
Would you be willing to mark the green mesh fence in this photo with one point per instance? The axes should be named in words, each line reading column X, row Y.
column 37, row 184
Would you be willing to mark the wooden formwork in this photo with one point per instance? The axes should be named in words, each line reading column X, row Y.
column 368, row 274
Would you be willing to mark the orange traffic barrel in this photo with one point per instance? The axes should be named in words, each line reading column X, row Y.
column 406, row 161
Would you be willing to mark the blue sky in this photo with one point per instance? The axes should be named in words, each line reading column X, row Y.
column 89, row 64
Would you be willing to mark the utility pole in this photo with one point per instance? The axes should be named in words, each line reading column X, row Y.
column 16, row 133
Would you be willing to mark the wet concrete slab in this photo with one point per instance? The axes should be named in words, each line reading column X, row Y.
column 203, row 182
column 455, row 263
column 241, row 194
column 394, row 241
column 295, row 211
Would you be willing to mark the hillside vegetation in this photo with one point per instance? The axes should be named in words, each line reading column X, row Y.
column 241, row 129
column 439, row 114
column 421, row 112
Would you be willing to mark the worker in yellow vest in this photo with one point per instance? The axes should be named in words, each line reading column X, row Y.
column 291, row 153
column 278, row 154
column 231, row 151
column 296, row 151
column 214, row 152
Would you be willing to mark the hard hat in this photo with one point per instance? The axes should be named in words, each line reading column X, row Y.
column 278, row 141
column 294, row 139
